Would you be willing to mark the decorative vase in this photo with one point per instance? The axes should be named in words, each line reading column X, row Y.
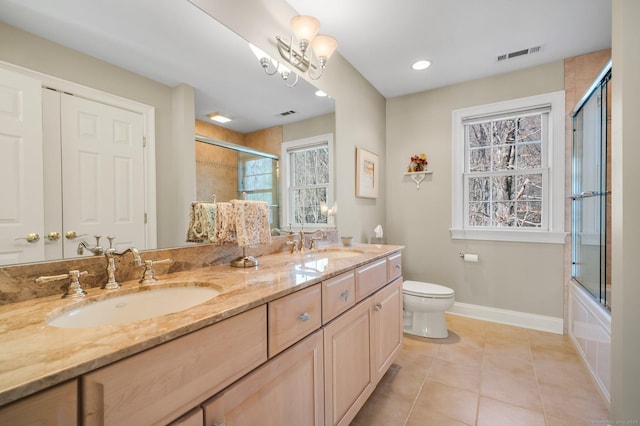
column 418, row 168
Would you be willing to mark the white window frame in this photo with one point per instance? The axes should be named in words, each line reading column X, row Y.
column 553, row 150
column 286, row 215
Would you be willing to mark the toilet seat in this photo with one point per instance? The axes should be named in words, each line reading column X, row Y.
column 422, row 289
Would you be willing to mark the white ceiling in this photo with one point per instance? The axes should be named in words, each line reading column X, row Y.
column 174, row 42
column 462, row 38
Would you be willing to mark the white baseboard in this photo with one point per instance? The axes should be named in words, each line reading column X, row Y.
column 504, row 316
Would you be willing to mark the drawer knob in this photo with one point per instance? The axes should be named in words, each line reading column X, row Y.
column 304, row 316
column 345, row 295
column 378, row 306
column 398, row 266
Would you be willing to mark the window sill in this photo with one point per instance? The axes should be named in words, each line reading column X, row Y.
column 545, row 237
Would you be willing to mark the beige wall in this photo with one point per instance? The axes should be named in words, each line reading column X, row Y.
column 515, row 276
column 625, row 314
column 321, row 125
column 360, row 108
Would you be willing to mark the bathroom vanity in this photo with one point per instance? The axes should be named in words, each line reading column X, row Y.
column 303, row 339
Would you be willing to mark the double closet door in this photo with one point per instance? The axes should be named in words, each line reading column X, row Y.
column 70, row 168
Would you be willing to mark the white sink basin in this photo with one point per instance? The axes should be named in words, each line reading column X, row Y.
column 337, row 253
column 134, row 307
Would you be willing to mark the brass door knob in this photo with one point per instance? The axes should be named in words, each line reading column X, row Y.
column 71, row 235
column 31, row 237
column 53, row 236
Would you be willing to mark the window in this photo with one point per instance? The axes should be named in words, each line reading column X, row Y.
column 508, row 172
column 307, row 173
column 258, row 179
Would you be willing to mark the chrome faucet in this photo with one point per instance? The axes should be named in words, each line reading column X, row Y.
column 110, row 254
column 312, row 244
column 74, row 290
column 97, row 250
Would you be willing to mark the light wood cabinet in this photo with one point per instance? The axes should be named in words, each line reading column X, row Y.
column 194, row 417
column 54, row 406
column 338, row 295
column 394, row 266
column 347, row 350
column 359, row 348
column 370, row 278
column 386, row 333
column 294, row 316
column 159, row 385
column 285, row 391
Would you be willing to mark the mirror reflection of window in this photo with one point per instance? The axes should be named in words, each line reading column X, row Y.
column 258, row 179
column 308, row 180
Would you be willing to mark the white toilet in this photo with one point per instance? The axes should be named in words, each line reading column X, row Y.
column 424, row 305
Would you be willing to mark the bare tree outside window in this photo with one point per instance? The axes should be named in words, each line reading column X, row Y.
column 310, row 177
column 504, row 172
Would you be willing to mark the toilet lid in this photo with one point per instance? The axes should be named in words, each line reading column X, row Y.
column 418, row 288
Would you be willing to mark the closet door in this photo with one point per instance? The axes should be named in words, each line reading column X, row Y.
column 21, row 206
column 102, row 174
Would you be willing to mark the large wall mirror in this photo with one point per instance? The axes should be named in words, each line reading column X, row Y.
column 175, row 44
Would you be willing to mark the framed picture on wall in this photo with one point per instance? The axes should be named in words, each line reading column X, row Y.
column 367, row 171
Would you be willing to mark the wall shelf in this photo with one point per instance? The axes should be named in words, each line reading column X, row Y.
column 418, row 177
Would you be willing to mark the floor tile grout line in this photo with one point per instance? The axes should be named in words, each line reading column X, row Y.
column 415, row 399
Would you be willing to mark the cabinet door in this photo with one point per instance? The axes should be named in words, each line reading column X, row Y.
column 285, row 391
column 158, row 385
column 55, row 406
column 386, row 333
column 21, row 191
column 348, row 381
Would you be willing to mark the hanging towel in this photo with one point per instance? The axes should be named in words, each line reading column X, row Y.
column 225, row 227
column 252, row 222
column 202, row 221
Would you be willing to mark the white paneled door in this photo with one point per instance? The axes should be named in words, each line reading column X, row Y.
column 21, row 184
column 102, row 174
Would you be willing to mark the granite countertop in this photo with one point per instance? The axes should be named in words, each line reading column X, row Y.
column 35, row 355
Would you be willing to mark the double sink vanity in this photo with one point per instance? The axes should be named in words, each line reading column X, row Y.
column 302, row 339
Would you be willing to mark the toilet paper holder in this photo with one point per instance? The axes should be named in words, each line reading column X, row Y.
column 468, row 257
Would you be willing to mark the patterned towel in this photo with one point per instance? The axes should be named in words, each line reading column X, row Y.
column 225, row 230
column 252, row 222
column 202, row 222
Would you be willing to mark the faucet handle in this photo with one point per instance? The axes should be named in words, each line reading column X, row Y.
column 111, row 238
column 75, row 288
column 294, row 245
column 148, row 275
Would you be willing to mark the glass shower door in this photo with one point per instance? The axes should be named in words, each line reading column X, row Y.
column 590, row 194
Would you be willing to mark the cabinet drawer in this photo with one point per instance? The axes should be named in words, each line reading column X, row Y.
column 370, row 277
column 394, row 266
column 338, row 295
column 56, row 405
column 164, row 382
column 292, row 317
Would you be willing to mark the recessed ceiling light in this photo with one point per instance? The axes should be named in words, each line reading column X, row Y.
column 219, row 118
column 320, row 93
column 421, row 65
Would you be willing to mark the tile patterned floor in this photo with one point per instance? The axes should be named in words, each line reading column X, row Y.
column 486, row 374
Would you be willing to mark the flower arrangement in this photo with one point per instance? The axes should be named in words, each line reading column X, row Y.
column 418, row 163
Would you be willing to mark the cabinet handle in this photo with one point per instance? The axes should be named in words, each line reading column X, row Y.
column 31, row 237
column 377, row 307
column 345, row 295
column 304, row 316
column 398, row 266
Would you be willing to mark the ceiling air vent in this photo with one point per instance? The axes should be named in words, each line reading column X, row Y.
column 517, row 53
column 284, row 114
